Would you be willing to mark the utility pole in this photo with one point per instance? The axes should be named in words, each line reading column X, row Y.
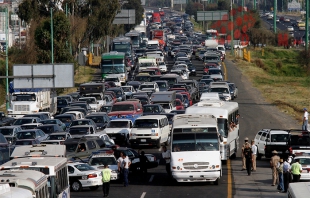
column 275, row 16
column 52, row 35
column 7, row 56
column 254, row 6
column 232, row 29
column 307, row 25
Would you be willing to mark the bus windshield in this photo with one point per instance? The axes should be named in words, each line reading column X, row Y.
column 121, row 47
column 183, row 142
column 113, row 69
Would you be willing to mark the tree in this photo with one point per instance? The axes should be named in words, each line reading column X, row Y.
column 189, row 9
column 223, row 5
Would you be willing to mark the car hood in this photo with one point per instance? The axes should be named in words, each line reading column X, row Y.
column 117, row 130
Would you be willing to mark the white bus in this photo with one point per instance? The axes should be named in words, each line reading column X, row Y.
column 31, row 181
column 299, row 190
column 195, row 150
column 10, row 192
column 225, row 112
column 47, row 159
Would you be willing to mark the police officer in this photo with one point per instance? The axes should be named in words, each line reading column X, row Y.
column 246, row 140
column 273, row 165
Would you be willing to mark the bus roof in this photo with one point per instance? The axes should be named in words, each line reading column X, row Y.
column 219, row 109
column 193, row 120
column 8, row 192
column 300, row 190
column 122, row 39
column 42, row 150
column 35, row 163
column 23, row 178
column 113, row 55
column 132, row 33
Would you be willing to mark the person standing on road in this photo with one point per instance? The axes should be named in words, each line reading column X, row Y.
column 286, row 174
column 280, row 174
column 167, row 155
column 254, row 154
column 247, row 152
column 242, row 151
column 126, row 164
column 143, row 166
column 296, row 170
column 273, row 165
column 305, row 120
column 106, row 177
column 120, row 165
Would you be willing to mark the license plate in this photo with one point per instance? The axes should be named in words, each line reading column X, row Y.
column 143, row 140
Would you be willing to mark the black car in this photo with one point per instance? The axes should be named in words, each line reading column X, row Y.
column 75, row 96
column 153, row 109
column 135, row 84
column 66, row 97
column 106, row 108
column 50, row 128
column 119, row 92
column 62, row 103
column 100, row 118
column 42, row 116
column 192, row 69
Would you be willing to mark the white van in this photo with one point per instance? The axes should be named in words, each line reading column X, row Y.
column 220, row 87
column 210, row 96
column 153, row 43
column 299, row 190
column 150, row 130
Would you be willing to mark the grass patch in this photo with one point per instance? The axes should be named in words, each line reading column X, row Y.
column 279, row 78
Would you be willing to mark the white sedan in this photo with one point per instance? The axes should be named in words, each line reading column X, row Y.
column 287, row 20
column 290, row 28
column 82, row 175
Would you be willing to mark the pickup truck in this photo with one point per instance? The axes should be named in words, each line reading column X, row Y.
column 119, row 130
column 195, row 87
column 99, row 97
column 268, row 140
column 93, row 103
column 299, row 142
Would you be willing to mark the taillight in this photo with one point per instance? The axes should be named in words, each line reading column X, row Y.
column 154, row 158
column 290, row 150
column 92, row 175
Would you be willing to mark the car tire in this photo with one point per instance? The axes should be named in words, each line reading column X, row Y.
column 93, row 187
column 76, row 186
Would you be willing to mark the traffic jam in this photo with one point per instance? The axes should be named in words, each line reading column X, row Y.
column 163, row 85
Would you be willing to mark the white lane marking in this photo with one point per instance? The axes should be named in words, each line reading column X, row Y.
column 143, row 194
column 151, row 179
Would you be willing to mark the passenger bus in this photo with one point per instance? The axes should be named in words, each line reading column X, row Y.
column 226, row 113
column 113, row 64
column 10, row 192
column 122, row 44
column 298, row 190
column 136, row 38
column 46, row 159
column 31, row 181
column 195, row 149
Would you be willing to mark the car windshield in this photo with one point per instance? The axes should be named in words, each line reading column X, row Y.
column 219, row 89
column 183, row 142
column 96, row 119
column 207, row 81
column 84, row 167
column 162, row 84
column 150, row 123
column 165, row 106
column 71, row 147
column 118, row 124
column 79, row 131
column 26, row 135
column 22, row 121
column 105, row 108
column 146, row 86
column 303, row 161
column 49, row 121
column 123, row 107
column 80, row 122
column 103, row 161
column 65, row 119
column 27, row 142
column 150, row 109
column 215, row 71
column 56, row 137
column 6, row 131
column 47, row 129
column 126, row 89
column 279, row 137
column 88, row 100
column 25, row 127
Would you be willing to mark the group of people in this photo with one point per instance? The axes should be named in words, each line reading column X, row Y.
column 249, row 154
column 283, row 172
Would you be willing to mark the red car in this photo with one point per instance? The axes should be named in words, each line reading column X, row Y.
column 179, row 105
column 187, row 96
column 207, row 66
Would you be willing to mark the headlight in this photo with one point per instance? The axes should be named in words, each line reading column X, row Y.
column 193, row 70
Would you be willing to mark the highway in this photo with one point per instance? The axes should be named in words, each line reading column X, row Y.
column 255, row 115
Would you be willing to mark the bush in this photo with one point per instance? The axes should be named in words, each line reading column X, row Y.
column 259, row 63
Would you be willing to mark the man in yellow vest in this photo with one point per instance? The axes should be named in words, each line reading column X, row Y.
column 106, row 177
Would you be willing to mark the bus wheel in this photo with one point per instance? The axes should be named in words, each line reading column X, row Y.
column 93, row 187
column 76, row 186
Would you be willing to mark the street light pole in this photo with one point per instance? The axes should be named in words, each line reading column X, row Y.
column 232, row 28
column 52, row 36
column 275, row 16
column 307, row 25
column 6, row 56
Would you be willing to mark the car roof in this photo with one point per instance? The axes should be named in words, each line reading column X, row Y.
column 9, row 127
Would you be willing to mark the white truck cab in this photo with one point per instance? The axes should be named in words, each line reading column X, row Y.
column 119, row 130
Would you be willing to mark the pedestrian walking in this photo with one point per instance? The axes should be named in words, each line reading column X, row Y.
column 106, row 177
column 287, row 178
column 247, row 152
column 273, row 165
column 126, row 164
column 242, row 149
column 296, row 170
column 280, row 174
column 305, row 120
column 143, row 166
column 166, row 156
column 254, row 154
